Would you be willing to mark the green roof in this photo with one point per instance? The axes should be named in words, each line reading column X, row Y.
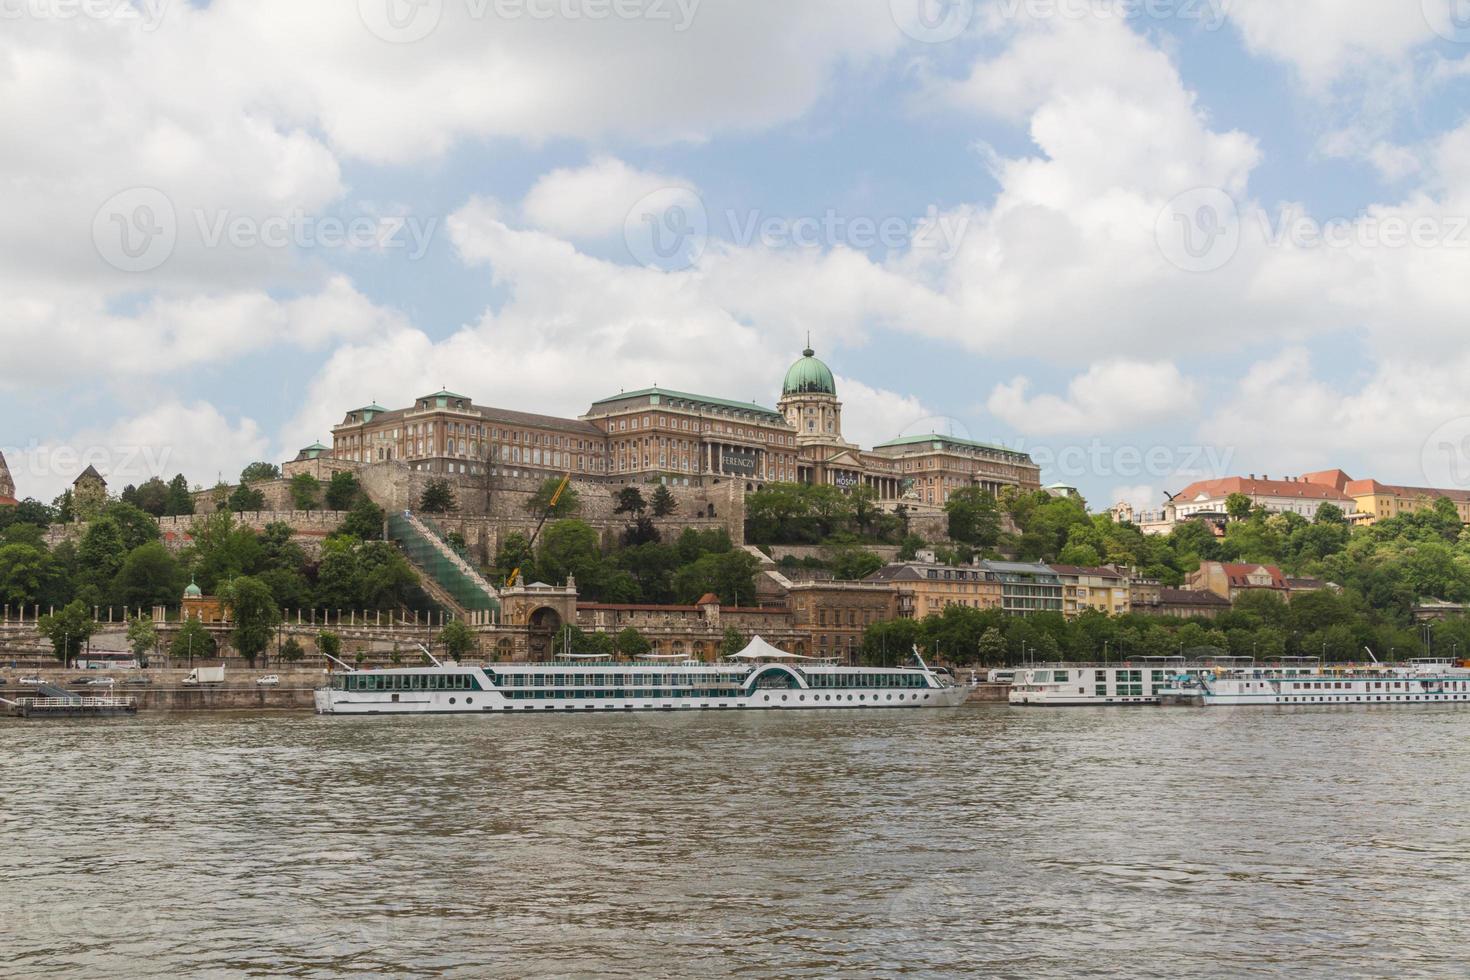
column 193, row 591
column 446, row 393
column 659, row 393
column 952, row 440
column 809, row 375
column 374, row 407
column 315, row 446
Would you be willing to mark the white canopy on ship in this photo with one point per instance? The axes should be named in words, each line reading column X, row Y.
column 759, row 649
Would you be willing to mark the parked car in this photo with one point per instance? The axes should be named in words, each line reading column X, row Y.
column 101, row 682
column 32, row 681
column 269, row 680
column 137, row 681
column 79, row 682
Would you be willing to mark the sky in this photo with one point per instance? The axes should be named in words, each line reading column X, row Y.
column 1147, row 241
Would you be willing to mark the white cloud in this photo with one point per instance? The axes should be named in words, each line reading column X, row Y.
column 594, row 201
column 172, row 437
column 1325, row 40
column 1394, row 426
column 1143, row 496
column 1110, row 396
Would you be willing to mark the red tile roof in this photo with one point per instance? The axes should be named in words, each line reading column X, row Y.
column 1190, row 597
column 1365, row 487
column 1225, row 486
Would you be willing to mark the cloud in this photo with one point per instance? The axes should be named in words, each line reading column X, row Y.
column 594, row 201
column 1109, row 397
column 172, row 437
column 1325, row 40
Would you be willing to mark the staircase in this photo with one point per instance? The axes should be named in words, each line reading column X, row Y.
column 445, row 574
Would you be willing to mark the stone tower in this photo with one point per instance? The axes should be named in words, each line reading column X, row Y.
column 7, row 485
column 809, row 401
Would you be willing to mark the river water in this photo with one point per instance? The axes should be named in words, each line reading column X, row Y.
column 981, row 840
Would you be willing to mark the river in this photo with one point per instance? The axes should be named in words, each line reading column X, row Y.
column 982, row 840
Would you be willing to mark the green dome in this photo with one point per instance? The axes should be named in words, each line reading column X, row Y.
column 808, row 376
column 193, row 591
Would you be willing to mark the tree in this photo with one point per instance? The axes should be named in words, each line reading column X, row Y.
column 180, row 501
column 152, row 497
column 255, row 613
column 909, row 549
column 246, row 499
column 150, row 576
column 574, row 640
column 306, row 492
column 631, row 644
column 1238, row 506
column 1330, row 514
column 68, row 630
column 260, row 472
column 457, row 639
column 730, row 576
column 851, row 563
column 25, row 573
column 142, row 636
column 329, row 644
column 664, row 504
column 630, row 501
column 732, row 643
column 342, row 490
column 437, row 498
column 974, row 518
column 993, row 650
column 101, row 555
column 567, row 505
column 889, row 643
column 364, row 521
column 292, row 652
column 192, row 640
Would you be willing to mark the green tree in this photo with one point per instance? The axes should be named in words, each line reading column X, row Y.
column 730, row 576
column 575, row 640
column 142, row 636
column 851, row 563
column 342, row 491
column 664, row 504
column 364, row 521
column 567, row 504
column 993, row 649
column 889, row 643
column 292, row 652
column 255, row 615
column 437, row 498
column 909, row 549
column 260, row 472
column 1238, row 506
column 457, row 639
column 306, row 492
column 246, row 499
column 68, row 630
column 152, row 497
column 329, row 644
column 630, row 501
column 973, row 517
column 192, row 640
column 732, row 643
column 101, row 555
column 25, row 573
column 180, row 501
column 150, row 576
column 632, row 644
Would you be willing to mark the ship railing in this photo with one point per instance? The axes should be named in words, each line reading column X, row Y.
column 76, row 702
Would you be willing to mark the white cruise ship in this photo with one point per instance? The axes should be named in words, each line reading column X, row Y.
column 1129, row 682
column 759, row 677
column 1424, row 681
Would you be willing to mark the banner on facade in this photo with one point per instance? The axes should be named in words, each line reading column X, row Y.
column 736, row 463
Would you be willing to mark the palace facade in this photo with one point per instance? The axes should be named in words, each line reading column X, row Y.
column 659, row 434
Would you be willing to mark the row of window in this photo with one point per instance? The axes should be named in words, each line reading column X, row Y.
column 405, row 682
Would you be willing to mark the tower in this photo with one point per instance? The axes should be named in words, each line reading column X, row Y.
column 7, row 485
column 809, row 401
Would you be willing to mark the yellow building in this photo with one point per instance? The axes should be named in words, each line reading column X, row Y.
column 1380, row 501
column 1103, row 589
column 924, row 588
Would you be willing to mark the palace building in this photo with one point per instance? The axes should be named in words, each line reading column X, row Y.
column 659, row 434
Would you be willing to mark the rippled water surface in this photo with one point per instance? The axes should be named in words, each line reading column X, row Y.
column 983, row 840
